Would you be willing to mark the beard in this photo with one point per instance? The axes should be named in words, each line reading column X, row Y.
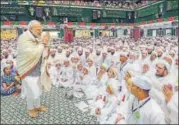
column 6, row 56
column 79, row 54
column 144, row 71
column 112, row 53
column 53, row 55
column 67, row 55
column 150, row 52
column 158, row 75
column 159, row 56
column 131, row 60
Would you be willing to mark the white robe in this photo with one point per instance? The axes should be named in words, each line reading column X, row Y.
column 108, row 109
column 149, row 113
column 67, row 75
column 157, row 94
column 92, row 73
column 98, row 62
column 173, row 108
column 56, row 75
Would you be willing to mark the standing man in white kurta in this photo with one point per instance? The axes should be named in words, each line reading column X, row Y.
column 30, row 62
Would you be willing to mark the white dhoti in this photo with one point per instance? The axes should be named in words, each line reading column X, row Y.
column 32, row 92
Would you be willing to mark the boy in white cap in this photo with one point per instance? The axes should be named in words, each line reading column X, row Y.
column 92, row 68
column 56, row 73
column 146, row 69
column 67, row 74
column 123, row 64
column 102, row 76
column 105, row 104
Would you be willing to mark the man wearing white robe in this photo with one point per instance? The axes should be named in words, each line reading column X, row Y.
column 171, row 98
column 29, row 63
column 162, row 77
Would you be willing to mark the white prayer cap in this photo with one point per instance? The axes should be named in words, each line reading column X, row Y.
column 57, row 62
column 165, row 63
column 154, row 53
column 6, row 66
column 132, row 53
column 105, row 66
column 168, row 59
column 172, row 52
column 150, row 47
column 124, row 54
column 5, row 51
column 52, row 50
column 112, row 48
column 142, row 82
column 146, row 62
column 87, row 50
column 68, row 50
column 98, row 49
column 66, row 59
column 117, row 46
column 145, row 51
column 59, row 47
column 142, row 46
column 80, row 49
column 159, row 49
column 133, row 69
column 73, row 55
column 85, row 67
column 9, row 61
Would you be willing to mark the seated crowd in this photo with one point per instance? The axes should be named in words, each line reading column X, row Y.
column 95, row 3
column 124, row 81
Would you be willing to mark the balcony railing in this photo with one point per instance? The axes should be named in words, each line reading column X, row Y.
column 91, row 5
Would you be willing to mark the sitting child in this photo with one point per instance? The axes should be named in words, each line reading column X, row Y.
column 12, row 66
column 105, row 104
column 67, row 75
column 10, row 83
column 56, row 73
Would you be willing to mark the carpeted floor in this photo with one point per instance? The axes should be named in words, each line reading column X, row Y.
column 61, row 110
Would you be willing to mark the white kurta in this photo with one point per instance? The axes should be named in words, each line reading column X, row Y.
column 67, row 78
column 157, row 94
column 92, row 72
column 173, row 108
column 149, row 113
column 56, row 75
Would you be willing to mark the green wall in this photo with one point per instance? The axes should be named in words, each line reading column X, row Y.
column 85, row 14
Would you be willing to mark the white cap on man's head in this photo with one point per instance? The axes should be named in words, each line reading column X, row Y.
column 124, row 54
column 165, row 63
column 142, row 82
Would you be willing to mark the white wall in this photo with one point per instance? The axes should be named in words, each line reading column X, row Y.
column 168, row 32
column 120, row 32
column 154, row 33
